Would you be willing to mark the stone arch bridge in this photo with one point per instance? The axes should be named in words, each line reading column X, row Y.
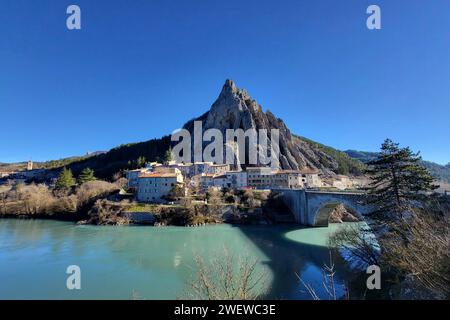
column 313, row 207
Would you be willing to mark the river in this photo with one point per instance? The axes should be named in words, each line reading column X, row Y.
column 149, row 262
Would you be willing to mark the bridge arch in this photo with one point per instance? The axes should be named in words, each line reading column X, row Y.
column 320, row 205
column 322, row 214
column 313, row 207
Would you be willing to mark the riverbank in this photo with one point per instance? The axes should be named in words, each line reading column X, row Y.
column 105, row 212
column 103, row 203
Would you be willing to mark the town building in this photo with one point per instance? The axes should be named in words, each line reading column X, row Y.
column 310, row 178
column 265, row 178
column 192, row 169
column 289, row 179
column 166, row 169
column 154, row 186
column 342, row 182
column 201, row 167
column 259, row 177
column 152, row 165
column 187, row 169
column 133, row 177
column 218, row 169
column 220, row 181
column 237, row 179
column 231, row 179
column 205, row 180
column 204, row 175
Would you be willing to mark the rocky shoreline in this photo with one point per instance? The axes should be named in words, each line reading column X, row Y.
column 340, row 215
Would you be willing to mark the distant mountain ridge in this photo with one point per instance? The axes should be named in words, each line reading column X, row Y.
column 438, row 171
column 51, row 164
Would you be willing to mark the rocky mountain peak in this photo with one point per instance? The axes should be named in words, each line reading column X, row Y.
column 231, row 110
column 229, row 86
column 230, row 90
column 236, row 109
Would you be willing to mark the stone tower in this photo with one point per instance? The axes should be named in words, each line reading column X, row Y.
column 30, row 165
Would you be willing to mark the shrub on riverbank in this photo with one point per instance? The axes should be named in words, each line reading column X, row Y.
column 27, row 200
column 402, row 251
column 38, row 200
column 105, row 212
column 406, row 251
column 227, row 277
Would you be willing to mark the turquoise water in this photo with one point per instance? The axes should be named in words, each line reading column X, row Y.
column 149, row 262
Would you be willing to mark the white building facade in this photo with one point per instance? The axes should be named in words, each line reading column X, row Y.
column 133, row 177
column 259, row 178
column 311, row 179
column 154, row 186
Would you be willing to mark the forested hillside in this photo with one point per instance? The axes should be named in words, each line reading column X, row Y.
column 439, row 172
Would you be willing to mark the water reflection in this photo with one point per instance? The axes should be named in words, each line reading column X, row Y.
column 293, row 252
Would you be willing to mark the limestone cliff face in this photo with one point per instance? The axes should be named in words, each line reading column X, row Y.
column 235, row 109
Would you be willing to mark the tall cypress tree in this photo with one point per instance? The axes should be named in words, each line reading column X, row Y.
column 65, row 179
column 397, row 179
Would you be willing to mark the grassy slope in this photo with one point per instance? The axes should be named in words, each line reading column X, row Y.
column 121, row 157
column 347, row 165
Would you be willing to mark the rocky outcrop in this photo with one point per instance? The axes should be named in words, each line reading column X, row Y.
column 340, row 214
column 235, row 109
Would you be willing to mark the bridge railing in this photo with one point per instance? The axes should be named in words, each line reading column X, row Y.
column 335, row 190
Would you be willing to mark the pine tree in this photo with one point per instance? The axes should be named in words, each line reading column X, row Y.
column 398, row 179
column 86, row 175
column 65, row 179
column 168, row 155
column 140, row 162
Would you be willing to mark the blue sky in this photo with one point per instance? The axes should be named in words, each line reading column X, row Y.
column 140, row 69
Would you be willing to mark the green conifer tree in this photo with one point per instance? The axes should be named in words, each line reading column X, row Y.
column 140, row 162
column 65, row 179
column 397, row 179
column 168, row 155
column 86, row 175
